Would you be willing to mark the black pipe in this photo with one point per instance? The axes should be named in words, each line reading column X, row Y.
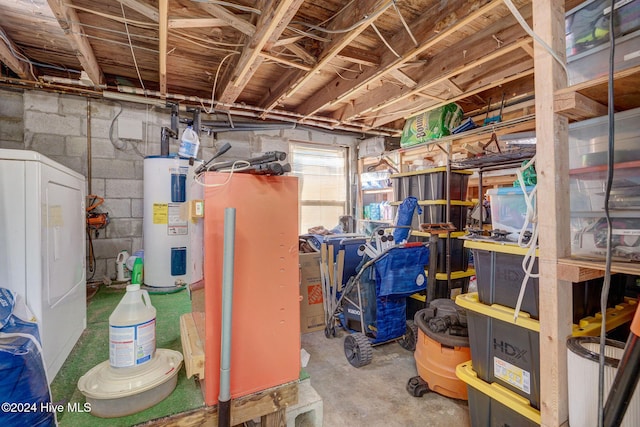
column 270, row 156
column 175, row 110
column 224, row 413
column 624, row 383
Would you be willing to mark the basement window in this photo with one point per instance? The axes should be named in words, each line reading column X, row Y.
column 322, row 173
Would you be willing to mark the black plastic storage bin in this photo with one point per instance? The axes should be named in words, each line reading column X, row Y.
column 504, row 351
column 491, row 405
column 431, row 184
column 499, row 275
column 459, row 255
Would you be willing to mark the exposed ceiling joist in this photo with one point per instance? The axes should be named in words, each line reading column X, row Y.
column 351, row 15
column 163, row 34
column 272, row 22
column 7, row 56
column 143, row 9
column 403, row 78
column 69, row 22
column 359, row 56
column 301, row 53
column 432, row 27
column 284, row 61
column 239, row 24
column 196, row 23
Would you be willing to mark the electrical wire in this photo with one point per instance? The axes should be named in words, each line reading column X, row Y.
column 147, row 25
column 349, row 28
column 604, row 296
column 18, row 55
column 404, row 24
column 215, row 81
column 528, row 30
column 135, row 62
column 245, row 165
column 386, row 43
column 232, row 5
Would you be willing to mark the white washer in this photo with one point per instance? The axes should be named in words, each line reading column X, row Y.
column 42, row 247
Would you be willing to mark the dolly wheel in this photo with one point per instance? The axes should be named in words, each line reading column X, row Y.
column 357, row 349
column 410, row 338
column 329, row 331
column 417, row 387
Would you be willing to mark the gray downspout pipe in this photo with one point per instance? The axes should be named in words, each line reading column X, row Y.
column 224, row 398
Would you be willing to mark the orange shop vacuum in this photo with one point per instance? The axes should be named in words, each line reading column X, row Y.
column 442, row 344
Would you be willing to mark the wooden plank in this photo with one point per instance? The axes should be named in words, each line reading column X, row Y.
column 143, row 9
column 196, row 23
column 351, row 14
column 239, row 24
column 275, row 17
column 359, row 56
column 192, row 348
column 163, row 32
column 301, row 53
column 276, row 419
column 403, row 78
column 245, row 408
column 19, row 67
column 70, row 24
column 552, row 152
column 576, row 106
column 285, row 61
column 447, row 18
column 579, row 268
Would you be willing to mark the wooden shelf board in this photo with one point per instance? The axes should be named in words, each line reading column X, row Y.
column 587, row 100
column 378, row 191
column 599, row 170
column 579, row 270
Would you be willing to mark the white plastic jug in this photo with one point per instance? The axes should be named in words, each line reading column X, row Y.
column 189, row 143
column 121, row 271
column 132, row 329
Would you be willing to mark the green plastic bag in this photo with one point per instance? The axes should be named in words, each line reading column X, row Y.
column 431, row 125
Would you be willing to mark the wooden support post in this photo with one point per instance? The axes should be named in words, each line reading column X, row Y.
column 553, row 205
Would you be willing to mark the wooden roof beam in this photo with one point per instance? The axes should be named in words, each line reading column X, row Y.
column 234, row 21
column 433, row 26
column 359, row 56
column 478, row 49
column 143, row 9
column 196, row 23
column 69, row 22
column 351, row 15
column 19, row 67
column 272, row 22
column 163, row 35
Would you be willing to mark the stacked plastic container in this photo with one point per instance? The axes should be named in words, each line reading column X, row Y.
column 503, row 376
column 429, row 186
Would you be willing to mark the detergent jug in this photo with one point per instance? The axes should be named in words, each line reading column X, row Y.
column 132, row 329
column 189, row 143
column 121, row 271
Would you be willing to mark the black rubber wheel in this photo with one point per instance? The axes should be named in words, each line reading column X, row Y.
column 410, row 338
column 358, row 349
column 330, row 331
column 417, row 387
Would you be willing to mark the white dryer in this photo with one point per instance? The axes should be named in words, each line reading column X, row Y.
column 42, row 247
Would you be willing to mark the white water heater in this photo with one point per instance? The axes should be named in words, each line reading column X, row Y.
column 172, row 235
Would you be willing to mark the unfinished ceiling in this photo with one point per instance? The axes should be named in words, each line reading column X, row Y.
column 363, row 65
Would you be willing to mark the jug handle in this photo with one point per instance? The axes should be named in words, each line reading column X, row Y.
column 145, row 298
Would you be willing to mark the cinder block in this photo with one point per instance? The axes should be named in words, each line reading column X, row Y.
column 108, row 168
column 298, row 134
column 46, row 102
column 70, row 105
column 76, row 146
column 345, row 140
column 13, row 145
column 117, row 208
column 109, row 248
column 97, row 187
column 103, row 109
column 53, row 124
column 12, row 130
column 273, row 144
column 124, row 227
column 308, row 411
column 12, row 105
column 137, row 209
column 49, row 145
column 100, row 128
column 317, row 136
column 78, row 164
column 123, row 188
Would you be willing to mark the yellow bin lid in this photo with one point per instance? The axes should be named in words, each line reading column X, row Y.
column 503, row 247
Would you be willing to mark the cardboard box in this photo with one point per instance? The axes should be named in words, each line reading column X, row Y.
column 311, row 308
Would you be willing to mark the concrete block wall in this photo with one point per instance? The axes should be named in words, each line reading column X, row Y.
column 56, row 125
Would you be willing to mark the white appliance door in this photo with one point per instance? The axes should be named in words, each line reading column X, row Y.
column 63, row 264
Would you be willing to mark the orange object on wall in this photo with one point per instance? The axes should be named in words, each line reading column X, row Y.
column 265, row 341
column 436, row 364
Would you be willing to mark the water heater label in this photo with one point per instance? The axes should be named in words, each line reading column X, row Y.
column 176, row 225
column 511, row 374
column 160, row 213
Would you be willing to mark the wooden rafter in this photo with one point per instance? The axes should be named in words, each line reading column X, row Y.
column 446, row 17
column 351, row 15
column 359, row 56
column 272, row 22
column 479, row 49
column 143, row 9
column 234, row 21
column 196, row 23
column 403, row 78
column 301, row 53
column 285, row 61
column 21, row 68
column 70, row 24
column 163, row 34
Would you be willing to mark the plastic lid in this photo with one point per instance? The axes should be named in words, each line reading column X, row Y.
column 508, row 190
column 106, row 382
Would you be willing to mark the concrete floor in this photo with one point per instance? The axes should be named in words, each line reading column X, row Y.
column 375, row 394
